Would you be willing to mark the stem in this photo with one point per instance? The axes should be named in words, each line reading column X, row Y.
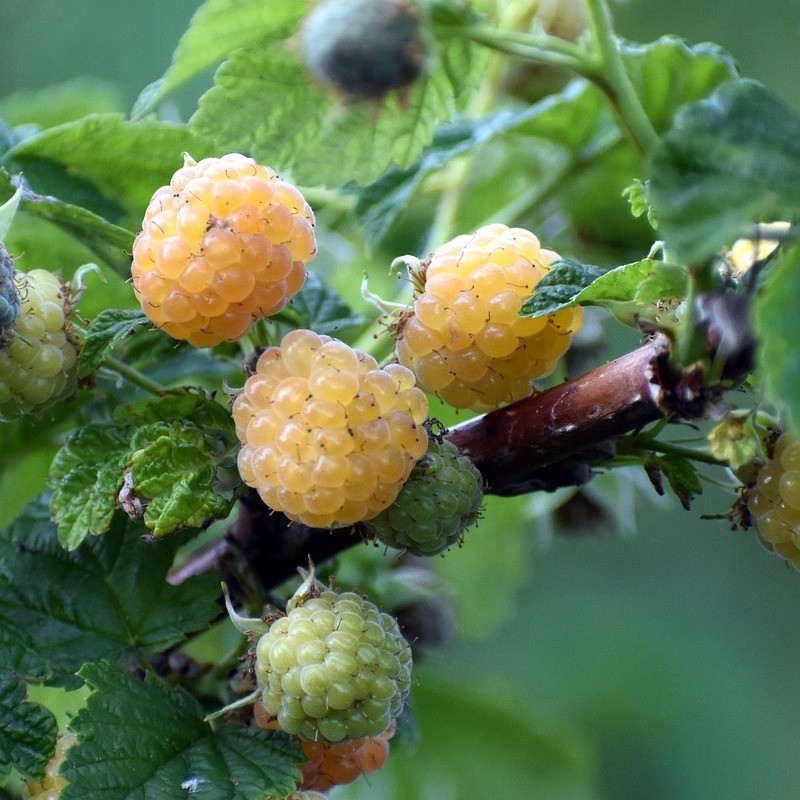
column 133, row 375
column 539, row 47
column 672, row 449
column 611, row 77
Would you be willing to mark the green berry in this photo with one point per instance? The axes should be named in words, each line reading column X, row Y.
column 9, row 297
column 334, row 667
column 366, row 48
column 38, row 364
column 439, row 501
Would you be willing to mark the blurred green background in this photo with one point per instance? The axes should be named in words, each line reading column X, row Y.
column 661, row 664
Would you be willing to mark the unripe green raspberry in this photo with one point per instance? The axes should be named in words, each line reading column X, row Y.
column 52, row 784
column 9, row 297
column 364, row 47
column 334, row 668
column 38, row 365
column 440, row 500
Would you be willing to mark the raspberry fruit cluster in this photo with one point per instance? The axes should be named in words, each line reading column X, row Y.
column 52, row 784
column 327, row 436
column 334, row 668
column 774, row 501
column 225, row 244
column 464, row 338
column 331, row 764
column 440, row 500
column 38, row 361
column 9, row 297
column 364, row 47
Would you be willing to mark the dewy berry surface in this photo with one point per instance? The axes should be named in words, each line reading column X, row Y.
column 334, row 668
column 439, row 501
column 327, row 436
column 774, row 501
column 38, row 360
column 464, row 340
column 225, row 244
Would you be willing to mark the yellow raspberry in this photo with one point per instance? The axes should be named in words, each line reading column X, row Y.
column 463, row 338
column 51, row 785
column 774, row 501
column 746, row 252
column 225, row 244
column 328, row 437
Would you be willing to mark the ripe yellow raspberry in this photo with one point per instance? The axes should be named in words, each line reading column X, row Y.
column 463, row 338
column 327, row 436
column 774, row 501
column 225, row 244
column 746, row 252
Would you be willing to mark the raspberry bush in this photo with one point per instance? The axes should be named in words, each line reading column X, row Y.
column 207, row 380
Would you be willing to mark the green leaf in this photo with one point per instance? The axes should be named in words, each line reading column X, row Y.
column 629, row 292
column 27, row 730
column 189, row 404
column 217, row 28
column 560, row 288
column 597, row 162
column 169, row 751
column 682, row 477
column 265, row 103
column 108, row 242
column 126, row 161
column 175, row 469
column 319, row 308
column 380, row 203
column 179, row 445
column 777, row 327
column 86, row 476
column 106, row 330
column 725, row 162
column 105, row 599
column 49, row 106
column 669, row 73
